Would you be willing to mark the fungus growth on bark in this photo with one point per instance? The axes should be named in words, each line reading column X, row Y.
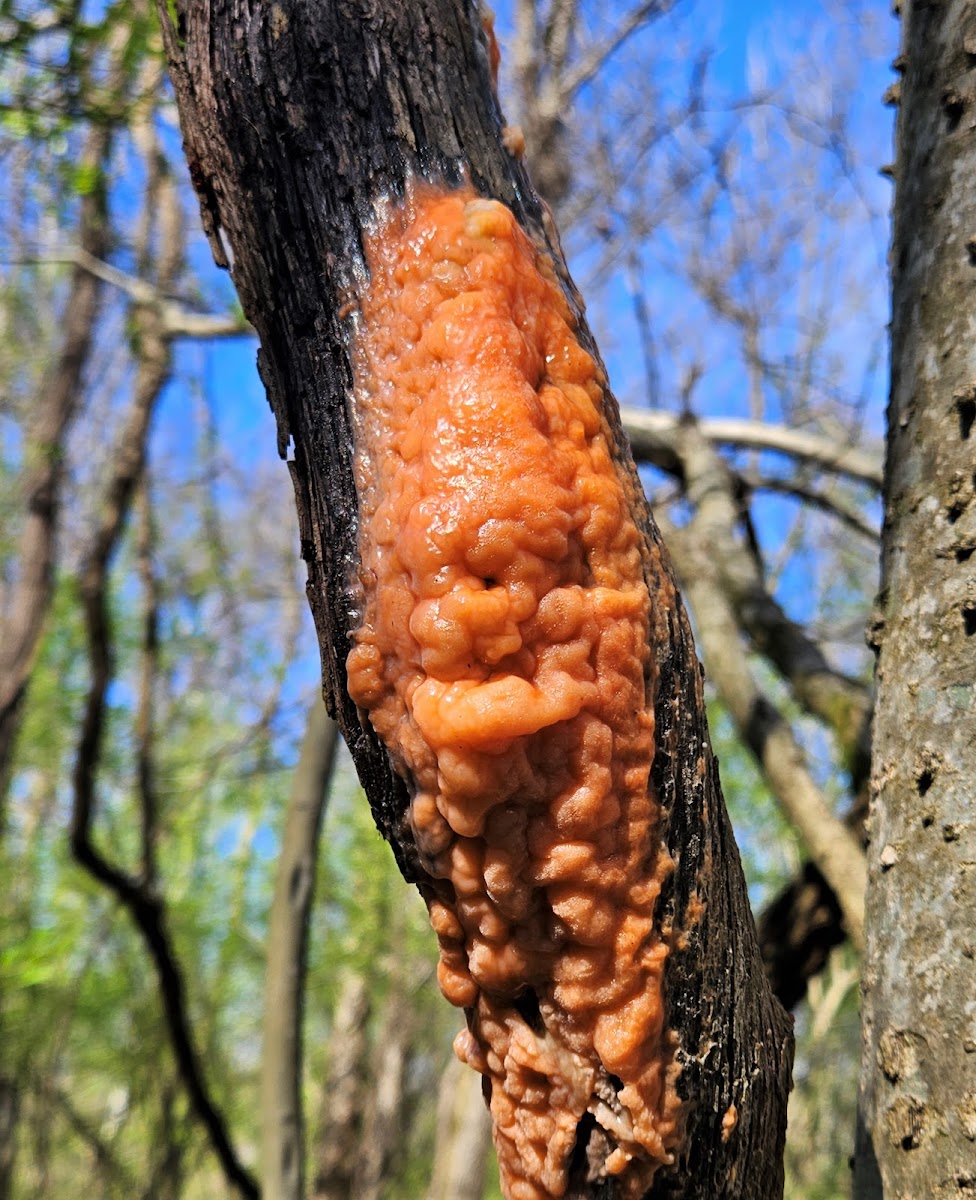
column 504, row 660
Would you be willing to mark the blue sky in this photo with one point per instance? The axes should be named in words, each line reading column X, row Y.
column 753, row 45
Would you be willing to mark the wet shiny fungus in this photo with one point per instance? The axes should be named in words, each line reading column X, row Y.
column 503, row 659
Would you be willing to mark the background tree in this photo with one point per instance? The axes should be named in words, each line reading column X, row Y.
column 918, row 1081
column 727, row 225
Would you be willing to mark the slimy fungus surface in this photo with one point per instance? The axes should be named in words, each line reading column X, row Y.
column 503, row 659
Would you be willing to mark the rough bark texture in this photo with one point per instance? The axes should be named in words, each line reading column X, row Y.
column 298, row 116
column 917, row 1133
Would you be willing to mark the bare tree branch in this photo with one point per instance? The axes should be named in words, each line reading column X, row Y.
column 23, row 610
column 835, row 506
column 557, row 35
column 145, row 731
column 177, row 319
column 842, row 703
column 765, row 730
column 652, row 434
column 592, row 63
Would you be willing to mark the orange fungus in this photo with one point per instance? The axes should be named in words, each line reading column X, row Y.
column 503, row 659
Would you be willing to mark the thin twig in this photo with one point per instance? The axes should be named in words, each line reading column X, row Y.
column 590, row 66
column 846, row 513
column 145, row 726
column 178, row 321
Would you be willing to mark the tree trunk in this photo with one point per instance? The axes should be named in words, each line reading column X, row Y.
column 917, row 1127
column 382, row 1122
column 306, row 125
column 9, row 1114
column 463, row 1136
column 282, row 1119
column 344, row 1093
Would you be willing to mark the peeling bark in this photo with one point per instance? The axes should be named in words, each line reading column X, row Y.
column 298, row 118
column 917, row 1119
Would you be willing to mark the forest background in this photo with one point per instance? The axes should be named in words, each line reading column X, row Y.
column 717, row 176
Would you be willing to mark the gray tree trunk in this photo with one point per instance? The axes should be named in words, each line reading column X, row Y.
column 463, row 1136
column 342, row 1115
column 282, row 1118
column 917, row 1126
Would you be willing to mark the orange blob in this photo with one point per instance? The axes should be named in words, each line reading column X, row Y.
column 504, row 659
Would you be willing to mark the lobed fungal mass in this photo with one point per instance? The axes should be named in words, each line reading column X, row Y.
column 503, row 659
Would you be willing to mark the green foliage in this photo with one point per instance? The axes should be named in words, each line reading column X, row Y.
column 87, row 178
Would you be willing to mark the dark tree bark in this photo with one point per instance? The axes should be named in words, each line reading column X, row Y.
column 917, row 1129
column 297, row 117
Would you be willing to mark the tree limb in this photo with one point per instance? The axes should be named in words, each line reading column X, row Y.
column 587, row 70
column 844, row 511
column 766, row 732
column 843, row 704
column 652, row 437
column 177, row 319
